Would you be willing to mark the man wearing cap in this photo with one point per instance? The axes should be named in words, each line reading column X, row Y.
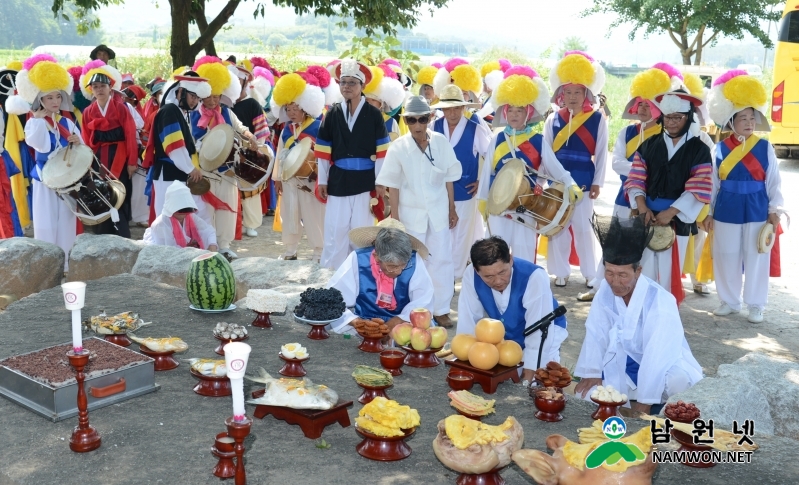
column 634, row 338
column 350, row 149
column 171, row 145
column 469, row 139
column 420, row 170
column 669, row 184
column 385, row 277
column 178, row 225
column 102, row 53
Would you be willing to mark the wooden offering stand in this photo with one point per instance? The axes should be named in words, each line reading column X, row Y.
column 489, row 478
column 687, row 444
column 311, row 421
column 318, row 331
column 606, row 409
column 391, row 360
column 488, row 379
column 118, row 339
column 220, row 349
column 421, row 359
column 163, row 360
column 380, row 448
column 549, row 409
column 84, row 437
column 262, row 320
column 224, row 450
column 371, row 392
column 212, row 386
column 292, row 367
column 238, row 431
column 372, row 345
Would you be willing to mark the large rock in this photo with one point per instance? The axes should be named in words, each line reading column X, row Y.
column 29, row 266
column 757, row 387
column 266, row 273
column 165, row 264
column 96, row 256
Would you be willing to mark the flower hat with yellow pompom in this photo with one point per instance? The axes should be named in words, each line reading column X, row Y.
column 735, row 91
column 385, row 87
column 40, row 75
column 426, row 75
column 696, row 87
column 222, row 78
column 493, row 72
column 459, row 72
column 521, row 87
column 98, row 70
column 302, row 88
column 647, row 85
column 577, row 67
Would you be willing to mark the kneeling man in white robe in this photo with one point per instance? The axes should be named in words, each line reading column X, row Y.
column 634, row 339
column 385, row 278
column 179, row 225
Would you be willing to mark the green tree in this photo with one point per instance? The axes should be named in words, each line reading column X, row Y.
column 30, row 23
column 692, row 24
column 572, row 43
column 371, row 50
column 371, row 15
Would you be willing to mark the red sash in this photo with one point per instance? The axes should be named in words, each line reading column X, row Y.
column 531, row 153
column 750, row 162
column 582, row 132
column 62, row 130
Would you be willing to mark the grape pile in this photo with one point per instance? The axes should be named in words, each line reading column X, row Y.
column 320, row 304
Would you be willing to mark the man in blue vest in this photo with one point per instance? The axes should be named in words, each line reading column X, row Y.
column 514, row 291
column 384, row 278
column 469, row 137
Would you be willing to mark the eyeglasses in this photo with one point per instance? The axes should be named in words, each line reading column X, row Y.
column 349, row 83
column 412, row 120
column 673, row 119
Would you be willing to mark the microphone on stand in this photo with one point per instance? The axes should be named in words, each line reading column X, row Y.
column 543, row 325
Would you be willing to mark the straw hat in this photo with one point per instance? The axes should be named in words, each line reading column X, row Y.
column 365, row 236
column 216, row 147
column 452, row 97
column 416, row 106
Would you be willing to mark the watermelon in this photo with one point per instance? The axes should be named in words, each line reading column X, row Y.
column 210, row 283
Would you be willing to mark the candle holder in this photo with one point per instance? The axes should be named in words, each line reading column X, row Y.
column 262, row 320
column 84, row 437
column 238, row 430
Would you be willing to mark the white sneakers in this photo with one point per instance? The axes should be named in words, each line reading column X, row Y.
column 561, row 282
column 755, row 314
column 249, row 231
column 724, row 309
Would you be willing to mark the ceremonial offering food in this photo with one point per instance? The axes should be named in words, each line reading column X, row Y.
column 460, row 380
column 386, row 418
column 116, row 324
column 461, row 344
column 210, row 283
column 554, row 375
column 230, row 331
column 510, row 353
column 419, row 337
column 293, row 393
column 551, row 393
column 681, row 411
column 469, row 446
column 294, row 351
column 489, row 330
column 486, row 348
column 173, row 344
column 266, row 301
column 208, row 367
column 374, row 328
column 421, row 318
column 608, row 394
column 320, row 304
column 483, row 355
column 401, row 333
column 372, row 376
column 470, row 403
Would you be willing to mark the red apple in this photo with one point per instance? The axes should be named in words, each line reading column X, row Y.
column 420, row 339
column 421, row 318
column 438, row 337
column 402, row 333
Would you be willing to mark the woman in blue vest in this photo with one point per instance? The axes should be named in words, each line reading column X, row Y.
column 746, row 198
column 384, row 278
column 521, row 100
column 514, row 291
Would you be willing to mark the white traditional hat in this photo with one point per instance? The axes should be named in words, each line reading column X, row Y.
column 735, row 91
column 577, row 67
column 353, row 68
column 223, row 79
column 301, row 88
column 177, row 197
column 40, row 75
column 365, row 236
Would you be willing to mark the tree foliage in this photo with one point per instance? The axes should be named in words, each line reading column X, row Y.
column 30, row 23
column 371, row 50
column 692, row 24
column 572, row 43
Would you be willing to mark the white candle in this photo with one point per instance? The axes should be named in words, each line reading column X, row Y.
column 236, row 356
column 237, row 387
column 77, row 338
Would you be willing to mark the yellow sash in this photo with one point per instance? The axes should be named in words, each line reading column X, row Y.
column 632, row 145
column 564, row 134
column 704, row 270
column 19, row 184
column 290, row 140
column 503, row 149
column 736, row 155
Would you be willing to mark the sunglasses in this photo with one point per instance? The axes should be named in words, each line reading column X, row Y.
column 412, row 120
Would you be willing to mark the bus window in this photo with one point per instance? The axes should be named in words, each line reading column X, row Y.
column 789, row 28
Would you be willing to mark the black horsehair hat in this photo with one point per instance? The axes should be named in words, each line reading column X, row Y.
column 623, row 240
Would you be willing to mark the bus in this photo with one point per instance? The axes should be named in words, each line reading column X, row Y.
column 785, row 95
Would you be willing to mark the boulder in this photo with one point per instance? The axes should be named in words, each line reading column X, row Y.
column 267, row 273
column 29, row 266
column 96, row 256
column 165, row 264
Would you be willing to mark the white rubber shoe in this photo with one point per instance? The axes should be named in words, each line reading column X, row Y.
column 249, row 231
column 755, row 315
column 561, row 282
column 724, row 309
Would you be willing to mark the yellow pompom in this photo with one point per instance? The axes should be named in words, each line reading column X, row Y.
column 745, row 91
column 49, row 76
column 426, row 75
column 217, row 74
column 650, row 83
column 377, row 78
column 179, row 71
column 575, row 69
column 247, row 64
column 288, row 88
column 516, row 90
column 488, row 67
column 15, row 65
column 694, row 84
column 467, row 78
